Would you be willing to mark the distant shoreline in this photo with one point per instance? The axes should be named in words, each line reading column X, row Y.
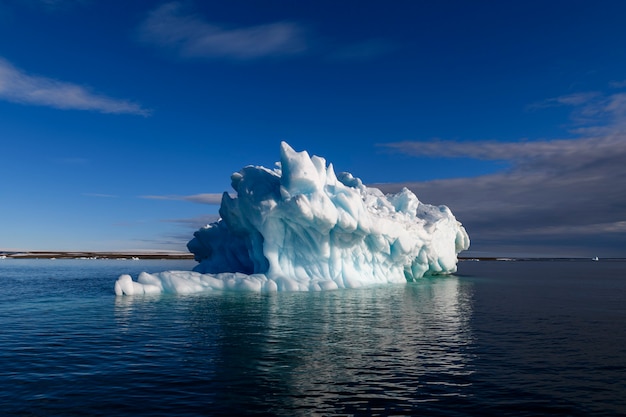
column 182, row 255
column 521, row 259
column 94, row 255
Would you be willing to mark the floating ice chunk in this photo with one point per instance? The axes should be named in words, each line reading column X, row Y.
column 300, row 227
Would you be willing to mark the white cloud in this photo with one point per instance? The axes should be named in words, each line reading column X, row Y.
column 19, row 87
column 578, row 180
column 191, row 36
column 579, row 230
column 178, row 240
column 55, row 4
column 566, row 100
column 554, row 193
column 194, row 222
column 208, row 198
column 547, row 153
column 594, row 113
column 618, row 84
column 98, row 195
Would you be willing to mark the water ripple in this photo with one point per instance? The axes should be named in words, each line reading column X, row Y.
column 442, row 347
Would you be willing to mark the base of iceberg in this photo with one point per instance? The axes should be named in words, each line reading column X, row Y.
column 301, row 227
column 190, row 282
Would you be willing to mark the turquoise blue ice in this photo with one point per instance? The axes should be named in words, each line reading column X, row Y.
column 301, row 227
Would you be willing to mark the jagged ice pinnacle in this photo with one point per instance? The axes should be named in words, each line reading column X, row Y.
column 300, row 227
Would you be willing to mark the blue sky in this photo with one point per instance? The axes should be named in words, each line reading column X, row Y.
column 120, row 122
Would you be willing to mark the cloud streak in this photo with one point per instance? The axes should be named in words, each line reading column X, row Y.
column 99, row 195
column 576, row 99
column 19, row 87
column 594, row 113
column 179, row 240
column 208, row 198
column 559, row 195
column 190, row 36
column 194, row 222
column 60, row 4
column 618, row 84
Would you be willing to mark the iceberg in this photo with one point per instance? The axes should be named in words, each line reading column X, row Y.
column 301, row 227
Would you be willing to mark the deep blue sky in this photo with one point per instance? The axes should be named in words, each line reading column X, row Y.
column 119, row 120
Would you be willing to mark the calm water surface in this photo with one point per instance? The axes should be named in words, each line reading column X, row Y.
column 499, row 338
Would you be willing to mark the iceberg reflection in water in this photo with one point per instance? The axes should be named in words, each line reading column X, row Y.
column 506, row 338
column 376, row 350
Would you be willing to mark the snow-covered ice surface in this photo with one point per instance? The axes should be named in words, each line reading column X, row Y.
column 301, row 227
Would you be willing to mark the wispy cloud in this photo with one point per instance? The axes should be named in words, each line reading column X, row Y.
column 169, row 243
column 569, row 193
column 191, row 36
column 19, row 87
column 195, row 222
column 98, row 195
column 562, row 153
column 72, row 161
column 594, row 113
column 178, row 239
column 57, row 4
column 54, row 5
column 362, row 51
column 618, row 84
column 576, row 99
column 211, row 199
column 174, row 27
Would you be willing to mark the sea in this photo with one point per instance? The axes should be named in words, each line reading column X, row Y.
column 498, row 338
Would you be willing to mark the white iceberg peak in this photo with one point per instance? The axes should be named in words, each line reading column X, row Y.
column 301, row 227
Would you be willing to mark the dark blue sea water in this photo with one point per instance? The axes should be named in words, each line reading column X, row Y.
column 498, row 338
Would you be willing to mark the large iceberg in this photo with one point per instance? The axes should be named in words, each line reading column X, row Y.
column 301, row 227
